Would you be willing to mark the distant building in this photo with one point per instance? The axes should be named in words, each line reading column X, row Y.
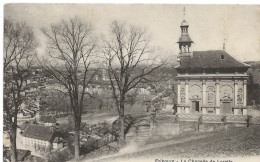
column 209, row 82
column 48, row 120
column 57, row 143
column 23, row 114
column 39, row 137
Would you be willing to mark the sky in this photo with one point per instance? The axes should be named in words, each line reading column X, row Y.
column 210, row 25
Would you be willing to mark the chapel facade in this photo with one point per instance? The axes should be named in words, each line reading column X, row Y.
column 209, row 82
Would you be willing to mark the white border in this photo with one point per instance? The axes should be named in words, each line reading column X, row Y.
column 2, row 2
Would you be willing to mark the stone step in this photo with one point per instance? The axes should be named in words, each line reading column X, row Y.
column 147, row 132
column 143, row 135
column 144, row 130
column 142, row 139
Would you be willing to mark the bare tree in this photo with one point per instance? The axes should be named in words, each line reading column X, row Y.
column 129, row 62
column 19, row 47
column 71, row 60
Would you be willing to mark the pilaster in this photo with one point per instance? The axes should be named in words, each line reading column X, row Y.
column 245, row 92
column 204, row 92
column 235, row 93
column 186, row 92
column 179, row 92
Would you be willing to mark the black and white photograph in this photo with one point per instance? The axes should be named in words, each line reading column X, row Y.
column 155, row 82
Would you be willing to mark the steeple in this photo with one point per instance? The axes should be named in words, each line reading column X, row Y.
column 185, row 40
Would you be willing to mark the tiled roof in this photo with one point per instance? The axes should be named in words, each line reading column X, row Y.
column 21, row 154
column 48, row 119
column 23, row 126
column 217, row 59
column 39, row 132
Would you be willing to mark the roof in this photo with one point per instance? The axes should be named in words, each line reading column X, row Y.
column 23, row 126
column 39, row 132
column 48, row 119
column 184, row 23
column 185, row 38
column 21, row 154
column 56, row 140
column 217, row 59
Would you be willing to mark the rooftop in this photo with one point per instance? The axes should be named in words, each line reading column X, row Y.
column 39, row 132
column 185, row 38
column 215, row 59
column 184, row 23
column 48, row 119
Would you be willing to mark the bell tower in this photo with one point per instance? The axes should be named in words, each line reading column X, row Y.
column 185, row 40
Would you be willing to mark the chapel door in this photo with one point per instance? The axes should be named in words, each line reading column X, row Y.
column 195, row 106
column 226, row 108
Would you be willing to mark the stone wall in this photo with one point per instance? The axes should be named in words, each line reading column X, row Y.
column 166, row 127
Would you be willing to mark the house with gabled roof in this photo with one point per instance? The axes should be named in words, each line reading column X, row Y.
column 38, row 136
column 209, row 82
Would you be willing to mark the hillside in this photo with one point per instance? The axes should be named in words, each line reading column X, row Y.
column 236, row 142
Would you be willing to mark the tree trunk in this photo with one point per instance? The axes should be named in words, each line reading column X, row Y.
column 77, row 139
column 13, row 143
column 122, row 127
column 122, row 122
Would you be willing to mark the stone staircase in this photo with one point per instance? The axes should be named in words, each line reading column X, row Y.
column 139, row 132
column 143, row 134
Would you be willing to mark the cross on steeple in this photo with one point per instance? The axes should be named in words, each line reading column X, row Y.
column 224, row 44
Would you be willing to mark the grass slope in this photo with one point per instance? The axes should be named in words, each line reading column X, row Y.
column 235, row 142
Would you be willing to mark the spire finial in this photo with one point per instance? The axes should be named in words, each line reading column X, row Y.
column 224, row 44
column 184, row 11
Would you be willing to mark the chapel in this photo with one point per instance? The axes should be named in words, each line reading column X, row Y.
column 209, row 82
